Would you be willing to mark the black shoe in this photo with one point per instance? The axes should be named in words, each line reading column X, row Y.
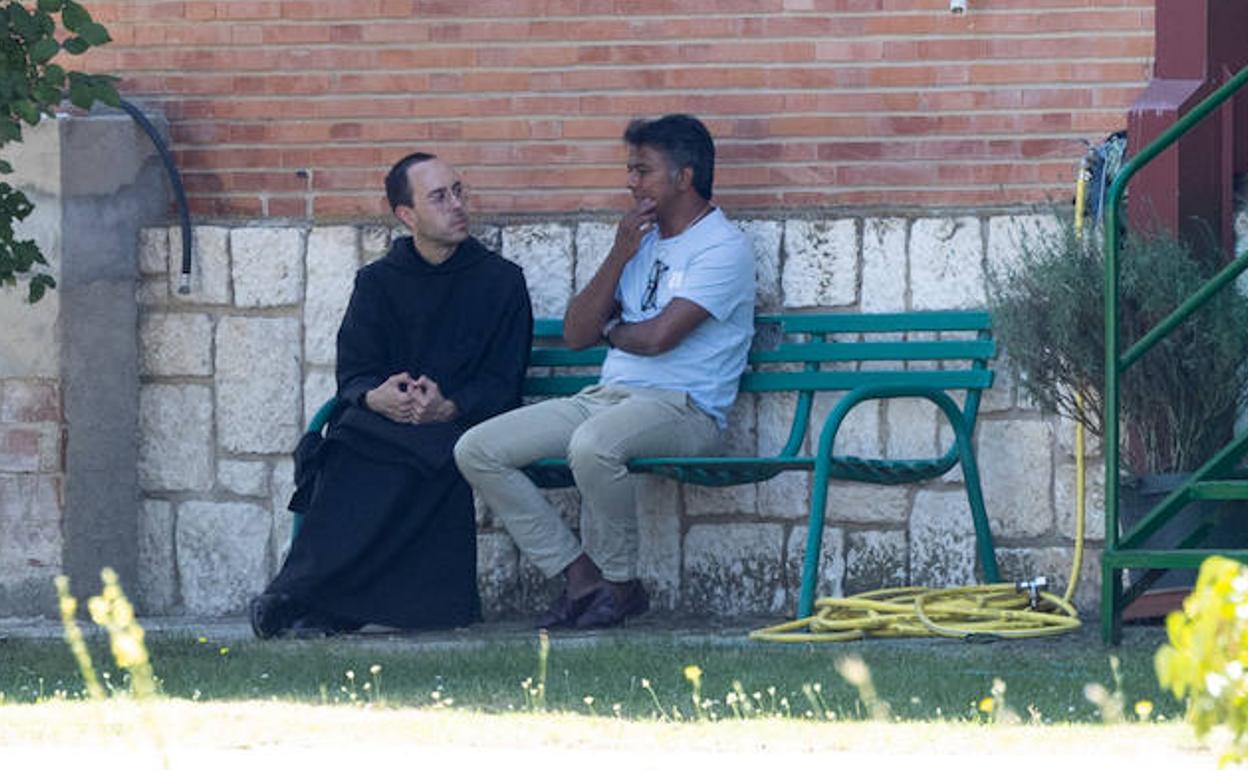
column 319, row 625
column 564, row 611
column 271, row 614
column 611, row 606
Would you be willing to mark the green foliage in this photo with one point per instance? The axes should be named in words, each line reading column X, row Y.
column 31, row 86
column 1179, row 400
column 1206, row 658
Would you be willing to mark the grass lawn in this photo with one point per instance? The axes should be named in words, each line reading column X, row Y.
column 633, row 677
column 612, row 700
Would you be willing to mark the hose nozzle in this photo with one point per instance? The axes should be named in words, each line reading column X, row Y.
column 1033, row 588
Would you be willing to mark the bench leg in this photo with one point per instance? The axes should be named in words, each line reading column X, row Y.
column 814, row 542
column 979, row 515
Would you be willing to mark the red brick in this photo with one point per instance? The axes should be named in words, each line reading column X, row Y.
column 287, row 207
column 29, row 401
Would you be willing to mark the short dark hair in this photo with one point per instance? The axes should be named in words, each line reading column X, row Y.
column 684, row 140
column 398, row 189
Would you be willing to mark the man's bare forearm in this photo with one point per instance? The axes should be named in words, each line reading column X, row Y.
column 594, row 305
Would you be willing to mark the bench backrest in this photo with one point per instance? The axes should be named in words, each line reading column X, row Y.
column 807, row 353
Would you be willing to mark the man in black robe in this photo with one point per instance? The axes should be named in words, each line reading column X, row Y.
column 435, row 339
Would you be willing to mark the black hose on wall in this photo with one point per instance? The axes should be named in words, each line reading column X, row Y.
column 179, row 192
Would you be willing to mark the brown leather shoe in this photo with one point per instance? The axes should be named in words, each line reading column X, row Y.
column 610, row 607
column 564, row 610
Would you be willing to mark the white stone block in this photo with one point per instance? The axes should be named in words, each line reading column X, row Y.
column 152, row 291
column 491, row 236
column 333, row 258
column 318, row 386
column 884, row 265
column 942, row 540
column 821, row 264
column 788, row 494
column 1008, row 234
column 31, row 523
column 593, row 244
column 282, row 485
column 859, row 433
column 175, row 437
column 1054, row 564
column 859, row 503
column 830, row 574
column 739, row 440
column 210, row 265
column 258, row 384
column 267, row 266
column 911, row 428
column 658, row 540
column 498, row 569
column 221, row 555
column 244, row 477
column 154, row 250
column 158, row 578
column 173, row 344
column 545, row 253
column 1016, row 464
column 765, row 236
column 874, row 559
column 734, row 569
column 374, row 242
column 1064, row 478
column 1065, row 432
column 1000, row 397
column 946, row 264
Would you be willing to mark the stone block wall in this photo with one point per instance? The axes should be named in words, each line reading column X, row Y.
column 231, row 372
column 31, row 489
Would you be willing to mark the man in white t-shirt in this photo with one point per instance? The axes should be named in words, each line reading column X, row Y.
column 674, row 300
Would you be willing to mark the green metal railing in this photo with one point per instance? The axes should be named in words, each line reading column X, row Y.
column 1116, row 365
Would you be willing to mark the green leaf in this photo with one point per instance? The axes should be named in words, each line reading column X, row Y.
column 39, row 284
column 10, row 130
column 50, row 6
column 6, row 167
column 44, row 50
column 25, row 252
column 104, row 91
column 27, row 110
column 47, row 95
column 74, row 16
column 76, row 45
column 94, row 33
column 54, row 75
column 81, row 94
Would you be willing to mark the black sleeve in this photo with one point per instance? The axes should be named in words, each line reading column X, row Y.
column 362, row 360
column 499, row 379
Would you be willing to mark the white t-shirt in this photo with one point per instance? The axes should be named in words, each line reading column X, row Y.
column 712, row 265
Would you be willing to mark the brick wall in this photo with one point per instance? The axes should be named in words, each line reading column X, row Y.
column 293, row 108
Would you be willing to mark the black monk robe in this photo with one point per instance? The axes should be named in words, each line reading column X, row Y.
column 389, row 536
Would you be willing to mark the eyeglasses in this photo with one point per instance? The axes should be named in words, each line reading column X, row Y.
column 442, row 196
column 650, row 299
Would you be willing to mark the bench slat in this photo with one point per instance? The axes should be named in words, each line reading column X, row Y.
column 925, row 350
column 927, row 321
column 972, row 379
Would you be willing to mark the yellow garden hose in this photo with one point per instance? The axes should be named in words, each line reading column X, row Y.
column 995, row 611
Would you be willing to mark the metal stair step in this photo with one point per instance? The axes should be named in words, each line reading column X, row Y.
column 1219, row 490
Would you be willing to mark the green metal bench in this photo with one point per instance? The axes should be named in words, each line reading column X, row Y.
column 865, row 356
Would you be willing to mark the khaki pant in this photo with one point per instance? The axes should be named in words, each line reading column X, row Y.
column 598, row 430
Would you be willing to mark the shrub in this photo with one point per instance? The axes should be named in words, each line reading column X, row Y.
column 1207, row 656
column 31, row 86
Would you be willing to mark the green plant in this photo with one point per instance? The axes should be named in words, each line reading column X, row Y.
column 31, row 86
column 1179, row 400
column 1207, row 655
